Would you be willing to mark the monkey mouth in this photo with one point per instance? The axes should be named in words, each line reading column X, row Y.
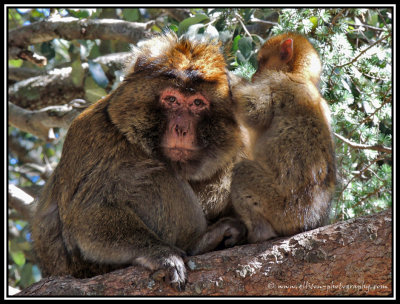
column 179, row 154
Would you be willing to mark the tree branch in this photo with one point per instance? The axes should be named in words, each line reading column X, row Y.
column 18, row 74
column 362, row 52
column 179, row 14
column 54, row 88
column 71, row 28
column 41, row 122
column 57, row 87
column 15, row 52
column 20, row 201
column 352, row 258
column 379, row 148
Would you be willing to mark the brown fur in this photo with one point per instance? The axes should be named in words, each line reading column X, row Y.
column 305, row 61
column 115, row 199
column 287, row 184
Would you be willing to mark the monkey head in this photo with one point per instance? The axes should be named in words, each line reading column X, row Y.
column 289, row 52
column 175, row 105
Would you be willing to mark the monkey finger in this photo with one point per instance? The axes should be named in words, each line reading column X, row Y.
column 173, row 271
column 172, row 276
column 177, row 279
column 159, row 275
column 235, row 234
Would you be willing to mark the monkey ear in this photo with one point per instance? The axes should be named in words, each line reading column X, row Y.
column 286, row 50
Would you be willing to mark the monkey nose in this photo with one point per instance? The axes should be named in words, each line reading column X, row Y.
column 180, row 131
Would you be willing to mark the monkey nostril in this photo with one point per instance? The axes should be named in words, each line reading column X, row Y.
column 180, row 131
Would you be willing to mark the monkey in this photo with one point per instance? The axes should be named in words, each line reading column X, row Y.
column 291, row 53
column 287, row 183
column 145, row 170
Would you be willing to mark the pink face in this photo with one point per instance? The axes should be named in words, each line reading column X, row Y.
column 179, row 141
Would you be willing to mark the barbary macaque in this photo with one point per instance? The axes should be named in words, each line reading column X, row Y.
column 286, row 185
column 144, row 170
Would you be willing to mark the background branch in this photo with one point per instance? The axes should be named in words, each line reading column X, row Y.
column 71, row 28
column 20, row 201
column 56, row 86
column 41, row 122
column 379, row 148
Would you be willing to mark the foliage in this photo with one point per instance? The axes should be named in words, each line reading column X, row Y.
column 356, row 49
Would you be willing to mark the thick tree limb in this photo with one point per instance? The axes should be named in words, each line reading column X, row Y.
column 41, row 122
column 54, row 88
column 379, row 148
column 71, row 28
column 57, row 87
column 18, row 74
column 347, row 258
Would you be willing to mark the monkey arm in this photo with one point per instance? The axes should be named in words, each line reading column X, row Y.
column 131, row 243
column 114, row 235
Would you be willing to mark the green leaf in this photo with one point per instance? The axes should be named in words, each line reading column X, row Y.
column 26, row 275
column 314, row 21
column 78, row 73
column 131, row 14
column 241, row 59
column 94, row 52
column 235, row 42
column 79, row 13
column 92, row 91
column 18, row 257
column 184, row 25
column 245, row 46
column 174, row 28
column 15, row 63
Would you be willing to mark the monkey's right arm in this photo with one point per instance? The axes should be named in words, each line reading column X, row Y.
column 129, row 242
column 134, row 216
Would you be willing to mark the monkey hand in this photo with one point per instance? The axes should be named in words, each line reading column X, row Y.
column 235, row 233
column 227, row 232
column 169, row 268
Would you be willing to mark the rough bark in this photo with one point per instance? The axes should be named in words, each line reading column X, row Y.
column 352, row 258
column 70, row 28
column 42, row 122
column 57, row 87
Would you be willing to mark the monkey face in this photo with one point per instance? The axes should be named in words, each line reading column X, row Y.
column 175, row 104
column 179, row 143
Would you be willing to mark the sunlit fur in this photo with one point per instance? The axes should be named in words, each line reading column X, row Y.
column 289, row 180
column 115, row 199
column 189, row 66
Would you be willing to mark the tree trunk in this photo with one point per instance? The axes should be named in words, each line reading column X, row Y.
column 352, row 258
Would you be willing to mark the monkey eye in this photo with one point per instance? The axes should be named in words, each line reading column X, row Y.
column 198, row 102
column 170, row 99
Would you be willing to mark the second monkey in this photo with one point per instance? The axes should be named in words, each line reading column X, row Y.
column 287, row 184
